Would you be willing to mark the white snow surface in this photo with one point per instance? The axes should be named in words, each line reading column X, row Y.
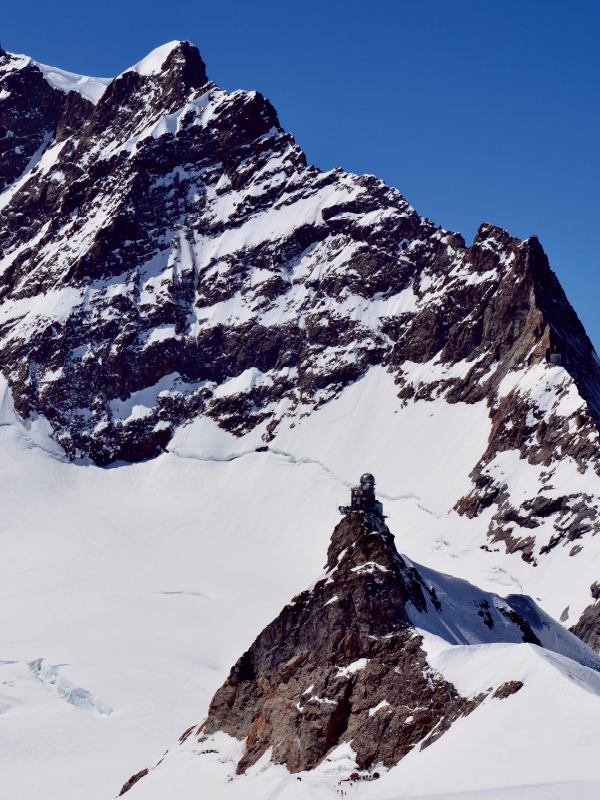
column 90, row 88
column 133, row 589
column 539, row 743
column 140, row 585
column 419, row 452
column 93, row 88
column 152, row 63
column 464, row 610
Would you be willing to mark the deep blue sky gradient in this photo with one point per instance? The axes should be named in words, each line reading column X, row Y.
column 477, row 111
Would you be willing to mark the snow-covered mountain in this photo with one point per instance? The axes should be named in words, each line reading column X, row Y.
column 204, row 341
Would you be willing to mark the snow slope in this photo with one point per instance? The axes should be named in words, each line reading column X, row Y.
column 538, row 743
column 144, row 582
column 424, row 450
column 421, row 454
column 90, row 88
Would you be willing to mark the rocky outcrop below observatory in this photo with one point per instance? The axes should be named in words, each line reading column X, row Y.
column 341, row 663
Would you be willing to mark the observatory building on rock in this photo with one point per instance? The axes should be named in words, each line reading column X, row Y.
column 362, row 497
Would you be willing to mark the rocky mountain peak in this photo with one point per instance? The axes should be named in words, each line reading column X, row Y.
column 343, row 673
column 341, row 663
column 159, row 84
column 176, row 281
column 185, row 60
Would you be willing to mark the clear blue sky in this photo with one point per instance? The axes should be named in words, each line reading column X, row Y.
column 477, row 111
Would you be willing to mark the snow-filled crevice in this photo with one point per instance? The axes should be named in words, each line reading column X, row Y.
column 80, row 698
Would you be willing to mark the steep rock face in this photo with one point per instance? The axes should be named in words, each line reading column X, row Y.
column 171, row 237
column 29, row 112
column 588, row 626
column 341, row 663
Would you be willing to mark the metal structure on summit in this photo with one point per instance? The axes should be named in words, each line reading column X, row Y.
column 362, row 498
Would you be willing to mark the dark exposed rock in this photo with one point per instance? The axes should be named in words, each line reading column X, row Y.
column 342, row 663
column 132, row 781
column 587, row 628
column 575, row 515
column 508, row 688
column 29, row 113
column 518, row 614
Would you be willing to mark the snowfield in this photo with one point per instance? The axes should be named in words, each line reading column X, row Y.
column 139, row 585
column 548, row 729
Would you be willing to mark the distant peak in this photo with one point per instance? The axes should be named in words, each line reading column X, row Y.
column 152, row 63
column 488, row 231
column 182, row 54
